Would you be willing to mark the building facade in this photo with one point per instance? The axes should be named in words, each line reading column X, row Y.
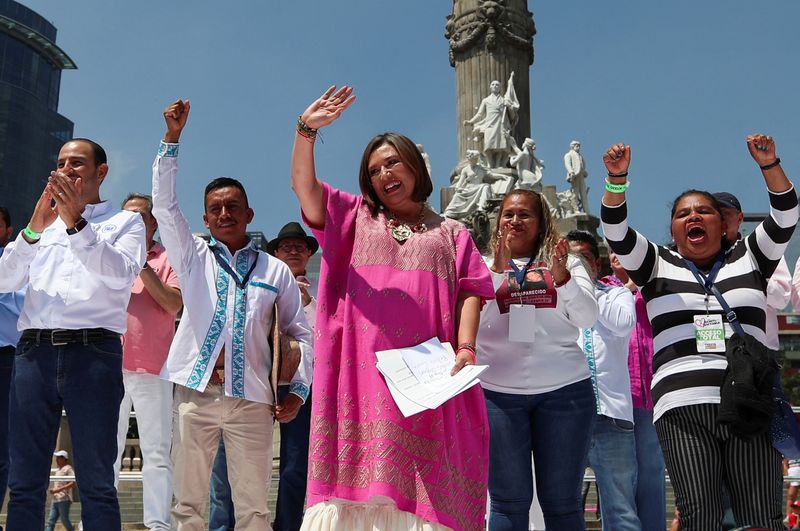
column 31, row 130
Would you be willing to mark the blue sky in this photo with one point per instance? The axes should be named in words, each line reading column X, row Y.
column 682, row 81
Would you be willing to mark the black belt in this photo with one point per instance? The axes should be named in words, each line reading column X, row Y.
column 63, row 337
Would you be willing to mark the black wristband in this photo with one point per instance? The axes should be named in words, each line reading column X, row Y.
column 81, row 223
column 771, row 164
column 623, row 174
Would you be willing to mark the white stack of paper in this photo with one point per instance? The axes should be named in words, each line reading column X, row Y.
column 419, row 377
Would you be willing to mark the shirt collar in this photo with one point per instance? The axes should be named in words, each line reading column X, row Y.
column 155, row 249
column 251, row 247
column 96, row 209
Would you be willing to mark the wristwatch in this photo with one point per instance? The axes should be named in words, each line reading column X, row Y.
column 79, row 225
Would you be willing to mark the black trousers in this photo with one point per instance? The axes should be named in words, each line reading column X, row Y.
column 701, row 456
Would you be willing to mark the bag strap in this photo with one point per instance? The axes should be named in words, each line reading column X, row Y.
column 707, row 283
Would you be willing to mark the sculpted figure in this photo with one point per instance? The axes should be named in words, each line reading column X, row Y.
column 473, row 188
column 529, row 168
column 494, row 119
column 576, row 175
column 426, row 158
column 568, row 204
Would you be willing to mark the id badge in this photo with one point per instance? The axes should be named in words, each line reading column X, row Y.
column 709, row 333
column 521, row 323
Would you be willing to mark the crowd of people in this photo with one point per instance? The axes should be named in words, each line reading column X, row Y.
column 587, row 366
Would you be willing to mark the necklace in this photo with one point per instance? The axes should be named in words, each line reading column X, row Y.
column 403, row 231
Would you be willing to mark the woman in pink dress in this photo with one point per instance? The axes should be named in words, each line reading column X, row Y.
column 394, row 274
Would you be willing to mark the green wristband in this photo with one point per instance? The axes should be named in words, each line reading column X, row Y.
column 30, row 233
column 617, row 188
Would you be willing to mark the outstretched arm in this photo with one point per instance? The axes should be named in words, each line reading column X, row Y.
column 617, row 160
column 176, row 235
column 323, row 111
column 762, row 149
column 772, row 235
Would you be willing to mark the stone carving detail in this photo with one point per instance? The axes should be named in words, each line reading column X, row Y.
column 491, row 23
column 529, row 168
column 475, row 186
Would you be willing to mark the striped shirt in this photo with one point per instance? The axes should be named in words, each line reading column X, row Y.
column 683, row 376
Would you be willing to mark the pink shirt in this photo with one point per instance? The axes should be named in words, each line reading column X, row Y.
column 150, row 327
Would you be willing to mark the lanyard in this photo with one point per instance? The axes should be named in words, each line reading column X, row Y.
column 520, row 273
column 241, row 283
column 707, row 281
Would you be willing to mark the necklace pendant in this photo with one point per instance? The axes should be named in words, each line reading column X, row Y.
column 401, row 232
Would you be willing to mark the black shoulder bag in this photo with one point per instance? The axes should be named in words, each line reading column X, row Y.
column 746, row 404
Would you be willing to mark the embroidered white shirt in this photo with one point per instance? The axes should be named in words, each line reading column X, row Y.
column 81, row 280
column 610, row 337
column 216, row 313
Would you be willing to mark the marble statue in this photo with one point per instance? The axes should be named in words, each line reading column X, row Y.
column 494, row 120
column 567, row 204
column 426, row 158
column 473, row 188
column 529, row 168
column 576, row 175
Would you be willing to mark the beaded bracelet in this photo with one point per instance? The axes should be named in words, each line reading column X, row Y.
column 305, row 131
column 771, row 164
column 617, row 188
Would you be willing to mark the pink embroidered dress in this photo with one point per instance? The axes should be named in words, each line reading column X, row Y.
column 378, row 294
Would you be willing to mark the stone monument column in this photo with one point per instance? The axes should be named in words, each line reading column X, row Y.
column 489, row 39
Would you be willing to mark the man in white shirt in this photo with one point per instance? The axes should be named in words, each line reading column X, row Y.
column 293, row 247
column 612, row 454
column 220, row 357
column 79, row 259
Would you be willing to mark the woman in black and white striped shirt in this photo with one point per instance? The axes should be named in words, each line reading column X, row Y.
column 702, row 455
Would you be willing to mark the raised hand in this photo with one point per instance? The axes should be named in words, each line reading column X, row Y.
column 617, row 160
column 328, row 107
column 762, row 149
column 558, row 262
column 43, row 214
column 175, row 115
column 67, row 195
column 502, row 251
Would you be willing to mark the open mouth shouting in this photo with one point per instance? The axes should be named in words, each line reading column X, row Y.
column 696, row 234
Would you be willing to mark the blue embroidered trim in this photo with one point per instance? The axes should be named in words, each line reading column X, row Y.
column 588, row 351
column 263, row 285
column 167, row 150
column 239, row 318
column 300, row 389
column 214, row 331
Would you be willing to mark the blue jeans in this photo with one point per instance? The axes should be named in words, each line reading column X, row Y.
column 220, row 513
column 59, row 510
column 612, row 456
column 87, row 381
column 6, row 369
column 555, row 428
column 293, row 467
column 651, row 491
